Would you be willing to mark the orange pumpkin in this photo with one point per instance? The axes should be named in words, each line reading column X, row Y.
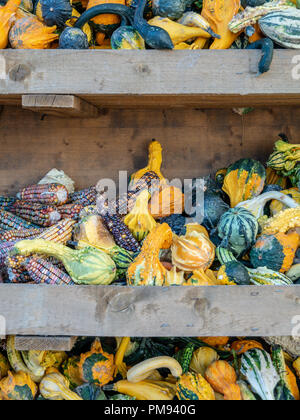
column 222, row 378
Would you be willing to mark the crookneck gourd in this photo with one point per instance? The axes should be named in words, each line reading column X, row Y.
column 144, row 390
column 222, row 378
column 202, row 359
column 219, row 13
column 276, row 252
column 245, row 179
column 146, row 269
column 55, row 386
column 88, row 265
column 277, row 206
column 97, row 366
column 139, row 220
column 7, row 18
column 143, row 370
column 192, row 386
column 194, row 251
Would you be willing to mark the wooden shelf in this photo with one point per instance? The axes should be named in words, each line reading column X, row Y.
column 222, row 78
column 149, row 311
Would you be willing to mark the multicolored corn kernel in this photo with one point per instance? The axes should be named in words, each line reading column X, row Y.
column 19, row 234
column 6, row 202
column 39, row 214
column 10, row 221
column 61, row 232
column 70, row 211
column 86, row 197
column 15, row 269
column 43, row 271
column 5, row 248
column 121, row 234
column 56, row 194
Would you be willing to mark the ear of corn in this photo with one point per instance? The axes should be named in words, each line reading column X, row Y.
column 70, row 211
column 15, row 235
column 5, row 248
column 10, row 221
column 44, row 194
column 42, row 271
column 39, row 214
column 86, row 197
column 6, row 202
column 121, row 234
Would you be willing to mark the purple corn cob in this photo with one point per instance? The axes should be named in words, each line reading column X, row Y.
column 121, row 234
column 56, row 194
column 42, row 271
column 42, row 215
column 86, row 197
column 18, row 235
column 9, row 221
column 70, row 211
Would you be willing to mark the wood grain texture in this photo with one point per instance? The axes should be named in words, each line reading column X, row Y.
column 153, row 78
column 59, row 105
column 195, row 142
column 149, row 311
column 44, row 343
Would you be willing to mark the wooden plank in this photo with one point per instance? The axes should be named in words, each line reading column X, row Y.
column 150, row 311
column 153, row 78
column 195, row 142
column 59, row 105
column 44, row 343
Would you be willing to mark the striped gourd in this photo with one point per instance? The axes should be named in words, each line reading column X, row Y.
column 282, row 27
column 192, row 386
column 184, row 357
column 257, row 367
column 238, row 229
column 263, row 276
column 121, row 257
column 224, row 255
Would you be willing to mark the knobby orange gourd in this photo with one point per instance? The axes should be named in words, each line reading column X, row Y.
column 7, row 18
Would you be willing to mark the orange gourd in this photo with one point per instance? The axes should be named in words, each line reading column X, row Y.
column 30, row 33
column 241, row 346
column 222, row 378
column 219, row 13
column 7, row 18
column 215, row 341
column 106, row 23
column 168, row 200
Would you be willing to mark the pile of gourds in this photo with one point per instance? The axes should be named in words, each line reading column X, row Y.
column 158, row 24
column 245, row 229
column 211, row 368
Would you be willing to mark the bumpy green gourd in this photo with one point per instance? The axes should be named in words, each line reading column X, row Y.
column 88, row 265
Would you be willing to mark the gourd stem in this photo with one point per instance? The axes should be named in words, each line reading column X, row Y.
column 40, row 246
column 117, row 9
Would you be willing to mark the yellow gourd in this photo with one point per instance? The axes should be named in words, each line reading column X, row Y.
column 143, row 370
column 7, row 18
column 174, row 277
column 178, row 33
column 56, row 387
column 18, row 386
column 219, row 13
column 277, row 206
column 202, row 358
column 120, row 366
column 202, row 278
column 168, row 200
column 144, row 390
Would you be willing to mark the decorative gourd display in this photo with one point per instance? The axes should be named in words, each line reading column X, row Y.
column 143, row 370
column 174, row 277
column 245, row 179
column 139, row 220
column 202, row 359
column 73, row 39
column 194, row 251
column 257, row 205
column 238, row 229
column 154, row 164
column 172, row 9
column 88, row 265
column 278, row 206
column 146, row 269
column 241, row 346
column 222, row 378
column 263, row 276
column 18, row 386
column 7, row 18
column 106, row 23
column 283, row 221
column 285, row 156
column 258, row 369
column 29, row 33
column 167, row 201
column 127, row 38
column 70, row 369
column 276, row 252
column 54, row 12
column 55, row 386
column 192, row 386
column 219, row 13
column 285, row 373
column 97, row 366
column 144, row 390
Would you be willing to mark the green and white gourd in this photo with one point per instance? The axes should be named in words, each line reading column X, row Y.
column 262, row 276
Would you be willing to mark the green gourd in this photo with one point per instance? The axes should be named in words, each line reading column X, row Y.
column 172, row 9
column 88, row 265
column 184, row 356
column 262, row 276
column 128, row 38
column 232, row 269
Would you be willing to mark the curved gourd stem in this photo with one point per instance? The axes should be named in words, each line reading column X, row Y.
column 126, row 14
column 267, row 47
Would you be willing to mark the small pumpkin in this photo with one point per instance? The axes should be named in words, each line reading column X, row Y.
column 245, row 179
column 223, row 379
column 192, row 386
column 276, row 252
column 194, row 251
column 96, row 366
column 139, row 220
column 202, row 359
column 7, row 18
column 29, row 33
column 241, row 346
column 73, row 39
column 18, row 386
column 54, row 12
column 106, row 23
column 167, row 201
column 146, row 269
column 233, row 272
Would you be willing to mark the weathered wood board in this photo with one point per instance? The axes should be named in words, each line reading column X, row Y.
column 44, row 343
column 150, row 311
column 152, row 78
column 195, row 142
